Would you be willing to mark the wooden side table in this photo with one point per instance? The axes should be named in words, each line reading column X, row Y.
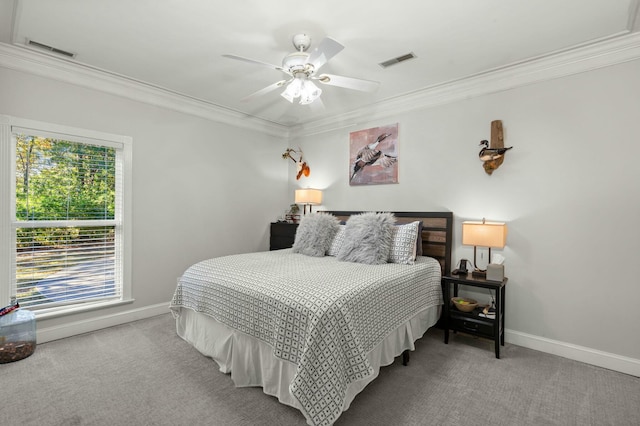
column 471, row 322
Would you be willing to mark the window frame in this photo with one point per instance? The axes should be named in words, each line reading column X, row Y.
column 8, row 213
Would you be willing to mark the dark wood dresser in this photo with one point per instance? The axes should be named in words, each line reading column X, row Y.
column 282, row 235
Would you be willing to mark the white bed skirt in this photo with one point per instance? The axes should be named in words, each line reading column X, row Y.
column 251, row 361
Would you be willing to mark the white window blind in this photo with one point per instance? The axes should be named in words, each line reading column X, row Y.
column 68, row 219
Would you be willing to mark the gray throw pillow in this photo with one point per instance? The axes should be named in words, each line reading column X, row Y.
column 367, row 238
column 315, row 233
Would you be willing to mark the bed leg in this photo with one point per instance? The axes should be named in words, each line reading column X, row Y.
column 405, row 357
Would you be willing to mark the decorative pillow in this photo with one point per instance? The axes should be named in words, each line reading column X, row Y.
column 367, row 238
column 315, row 233
column 403, row 243
column 338, row 239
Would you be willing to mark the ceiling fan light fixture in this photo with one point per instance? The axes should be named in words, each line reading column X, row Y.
column 293, row 90
column 302, row 66
column 295, row 62
column 310, row 92
column 302, row 88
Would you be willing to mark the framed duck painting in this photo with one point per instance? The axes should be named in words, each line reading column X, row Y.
column 373, row 156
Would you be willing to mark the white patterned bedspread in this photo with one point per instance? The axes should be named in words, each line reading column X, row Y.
column 317, row 312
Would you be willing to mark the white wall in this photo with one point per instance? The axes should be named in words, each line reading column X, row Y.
column 569, row 191
column 200, row 189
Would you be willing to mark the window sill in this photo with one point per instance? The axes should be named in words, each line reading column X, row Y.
column 64, row 311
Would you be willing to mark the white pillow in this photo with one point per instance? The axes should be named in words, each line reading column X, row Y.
column 315, row 233
column 403, row 243
column 338, row 239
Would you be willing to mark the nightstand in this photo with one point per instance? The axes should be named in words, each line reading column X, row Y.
column 282, row 236
column 471, row 322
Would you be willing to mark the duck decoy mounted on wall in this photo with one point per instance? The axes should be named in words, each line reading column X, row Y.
column 492, row 155
column 369, row 155
column 487, row 154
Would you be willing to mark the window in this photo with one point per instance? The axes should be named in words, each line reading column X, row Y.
column 67, row 217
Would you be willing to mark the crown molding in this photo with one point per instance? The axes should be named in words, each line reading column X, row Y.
column 26, row 60
column 618, row 49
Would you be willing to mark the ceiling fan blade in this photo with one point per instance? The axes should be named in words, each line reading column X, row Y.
column 253, row 61
column 348, row 82
column 327, row 49
column 264, row 91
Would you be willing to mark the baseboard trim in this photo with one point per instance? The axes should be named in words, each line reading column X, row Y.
column 591, row 356
column 48, row 334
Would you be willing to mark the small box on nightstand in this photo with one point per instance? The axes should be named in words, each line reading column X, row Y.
column 495, row 272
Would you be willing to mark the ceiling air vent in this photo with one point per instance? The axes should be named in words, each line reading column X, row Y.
column 48, row 48
column 397, row 60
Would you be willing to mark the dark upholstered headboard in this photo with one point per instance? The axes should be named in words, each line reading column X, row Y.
column 437, row 233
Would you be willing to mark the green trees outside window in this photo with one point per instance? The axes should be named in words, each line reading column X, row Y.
column 65, row 206
column 61, row 180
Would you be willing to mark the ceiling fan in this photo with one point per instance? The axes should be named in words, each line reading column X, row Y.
column 302, row 68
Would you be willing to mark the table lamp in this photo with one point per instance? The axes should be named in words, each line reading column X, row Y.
column 308, row 197
column 484, row 234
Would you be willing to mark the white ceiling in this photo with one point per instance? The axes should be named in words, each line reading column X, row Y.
column 178, row 44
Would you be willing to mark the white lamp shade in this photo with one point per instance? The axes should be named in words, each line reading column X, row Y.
column 484, row 234
column 308, row 196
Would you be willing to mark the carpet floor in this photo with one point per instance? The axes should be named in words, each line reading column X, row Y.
column 142, row 373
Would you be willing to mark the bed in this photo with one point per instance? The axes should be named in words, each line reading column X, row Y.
column 307, row 323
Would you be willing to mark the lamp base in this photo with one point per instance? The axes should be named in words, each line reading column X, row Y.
column 479, row 274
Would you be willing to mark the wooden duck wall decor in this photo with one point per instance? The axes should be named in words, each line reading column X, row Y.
column 492, row 155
